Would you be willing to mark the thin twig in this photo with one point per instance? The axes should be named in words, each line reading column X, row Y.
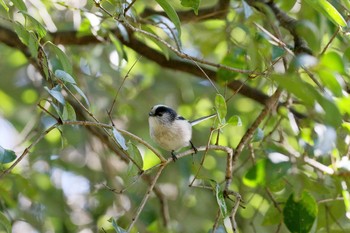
column 330, row 200
column 216, row 222
column 128, row 7
column 120, row 87
column 145, row 198
column 27, row 150
column 319, row 166
column 330, row 41
column 124, row 132
column 233, row 213
column 275, row 203
column 202, row 161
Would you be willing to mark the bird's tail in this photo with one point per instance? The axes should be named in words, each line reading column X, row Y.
column 199, row 120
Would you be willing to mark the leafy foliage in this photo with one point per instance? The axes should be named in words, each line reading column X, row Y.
column 274, row 159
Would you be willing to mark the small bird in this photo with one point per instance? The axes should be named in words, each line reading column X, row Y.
column 170, row 130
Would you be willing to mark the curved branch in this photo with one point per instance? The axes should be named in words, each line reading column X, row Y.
column 217, row 11
column 10, row 38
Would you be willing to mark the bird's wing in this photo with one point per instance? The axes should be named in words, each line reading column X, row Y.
column 199, row 120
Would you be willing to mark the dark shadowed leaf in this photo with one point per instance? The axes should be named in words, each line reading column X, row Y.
column 62, row 57
column 6, row 156
column 300, row 214
column 68, row 112
column 136, row 156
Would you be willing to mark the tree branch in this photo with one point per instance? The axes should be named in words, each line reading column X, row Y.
column 289, row 23
column 11, row 39
column 217, row 11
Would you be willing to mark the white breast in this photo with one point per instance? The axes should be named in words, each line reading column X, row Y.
column 170, row 137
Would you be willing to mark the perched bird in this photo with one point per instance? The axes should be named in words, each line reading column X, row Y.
column 170, row 130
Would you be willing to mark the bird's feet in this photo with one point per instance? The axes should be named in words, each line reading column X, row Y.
column 173, row 156
column 194, row 148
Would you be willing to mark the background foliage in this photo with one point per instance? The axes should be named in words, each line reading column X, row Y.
column 276, row 73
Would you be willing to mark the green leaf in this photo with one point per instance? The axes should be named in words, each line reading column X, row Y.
column 64, row 76
column 237, row 59
column 4, row 5
column 332, row 114
column 296, row 86
column 58, row 109
column 346, row 197
column 171, row 13
column 22, row 33
column 33, row 24
column 221, row 108
column 120, row 139
column 81, row 93
column 300, row 214
column 167, row 26
column 117, row 228
column 19, row 4
column 194, row 4
column 33, row 44
column 163, row 48
column 220, row 200
column 272, row 216
column 256, row 175
column 68, row 112
column 330, row 81
column 118, row 47
column 343, row 104
column 276, row 167
column 56, row 93
column 332, row 61
column 5, row 223
column 235, row 121
column 328, row 10
column 309, row 95
column 62, row 57
column 6, row 156
column 136, row 156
